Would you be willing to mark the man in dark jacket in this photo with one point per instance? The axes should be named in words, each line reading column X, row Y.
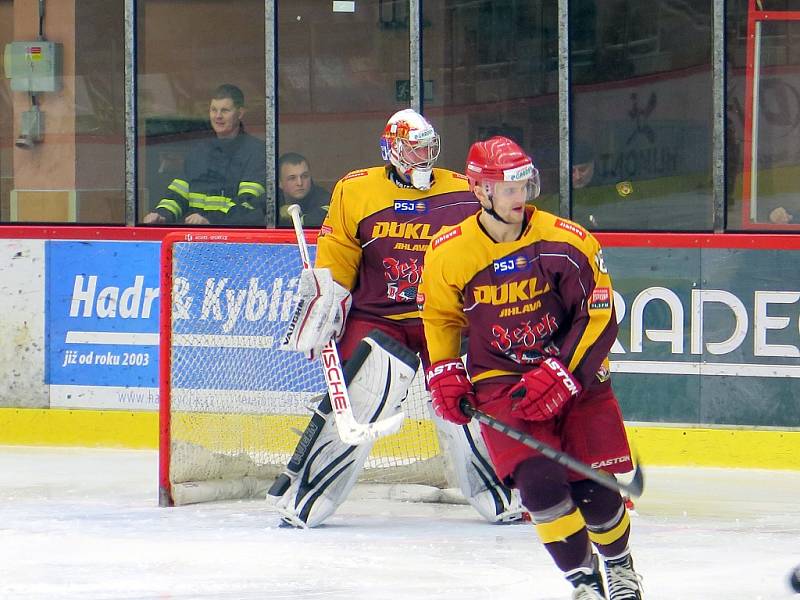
column 295, row 186
column 224, row 176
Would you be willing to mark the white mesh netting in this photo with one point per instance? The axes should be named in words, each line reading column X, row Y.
column 237, row 403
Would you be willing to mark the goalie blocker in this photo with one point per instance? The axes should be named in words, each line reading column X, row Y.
column 323, row 469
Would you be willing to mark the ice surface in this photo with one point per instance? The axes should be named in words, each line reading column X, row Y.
column 84, row 524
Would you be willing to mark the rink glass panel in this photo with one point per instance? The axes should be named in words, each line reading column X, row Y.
column 340, row 74
column 185, row 51
column 491, row 68
column 641, row 102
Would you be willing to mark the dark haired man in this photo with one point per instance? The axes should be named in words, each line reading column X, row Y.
column 296, row 186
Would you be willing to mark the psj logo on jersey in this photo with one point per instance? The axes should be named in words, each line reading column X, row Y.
column 511, row 264
column 410, row 206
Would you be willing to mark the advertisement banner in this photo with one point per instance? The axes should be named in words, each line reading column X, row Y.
column 231, row 305
column 102, row 303
column 707, row 335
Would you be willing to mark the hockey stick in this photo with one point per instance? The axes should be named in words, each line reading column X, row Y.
column 350, row 431
column 633, row 489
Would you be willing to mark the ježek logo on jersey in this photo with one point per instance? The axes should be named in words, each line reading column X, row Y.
column 410, row 206
column 511, row 264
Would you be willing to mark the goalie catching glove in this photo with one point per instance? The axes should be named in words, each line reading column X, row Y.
column 322, row 307
column 448, row 383
column 542, row 392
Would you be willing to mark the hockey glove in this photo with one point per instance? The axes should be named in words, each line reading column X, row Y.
column 542, row 392
column 320, row 314
column 448, row 383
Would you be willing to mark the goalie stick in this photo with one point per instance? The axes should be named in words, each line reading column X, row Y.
column 634, row 488
column 350, row 431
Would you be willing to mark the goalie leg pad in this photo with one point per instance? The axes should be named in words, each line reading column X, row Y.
column 469, row 463
column 323, row 469
column 308, row 498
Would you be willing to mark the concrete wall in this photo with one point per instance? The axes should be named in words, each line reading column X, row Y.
column 22, row 325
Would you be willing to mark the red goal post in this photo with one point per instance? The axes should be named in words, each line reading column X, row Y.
column 231, row 404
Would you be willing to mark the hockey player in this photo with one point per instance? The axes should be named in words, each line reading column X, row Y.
column 368, row 265
column 534, row 294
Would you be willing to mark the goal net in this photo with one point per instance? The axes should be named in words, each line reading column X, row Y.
column 232, row 405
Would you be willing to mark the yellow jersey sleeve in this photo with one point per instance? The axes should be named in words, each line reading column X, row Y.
column 446, row 274
column 338, row 246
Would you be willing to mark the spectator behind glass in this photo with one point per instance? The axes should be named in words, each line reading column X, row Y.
column 295, row 186
column 224, row 176
column 582, row 165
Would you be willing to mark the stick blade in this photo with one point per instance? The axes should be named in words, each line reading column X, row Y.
column 357, row 433
column 636, row 486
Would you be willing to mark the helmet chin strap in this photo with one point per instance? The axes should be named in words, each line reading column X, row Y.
column 397, row 178
column 490, row 211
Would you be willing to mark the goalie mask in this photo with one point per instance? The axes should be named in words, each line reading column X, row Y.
column 410, row 143
column 497, row 160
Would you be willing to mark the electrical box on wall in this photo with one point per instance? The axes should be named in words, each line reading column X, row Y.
column 33, row 66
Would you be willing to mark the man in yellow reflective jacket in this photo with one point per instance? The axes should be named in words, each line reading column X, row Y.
column 224, row 177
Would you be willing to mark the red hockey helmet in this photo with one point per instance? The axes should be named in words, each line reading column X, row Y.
column 501, row 159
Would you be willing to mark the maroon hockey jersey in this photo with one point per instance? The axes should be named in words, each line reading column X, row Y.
column 545, row 294
column 376, row 233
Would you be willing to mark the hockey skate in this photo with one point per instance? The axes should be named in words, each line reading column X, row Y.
column 588, row 584
column 624, row 583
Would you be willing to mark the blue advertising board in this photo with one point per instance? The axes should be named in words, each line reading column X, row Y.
column 101, row 304
column 230, row 306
